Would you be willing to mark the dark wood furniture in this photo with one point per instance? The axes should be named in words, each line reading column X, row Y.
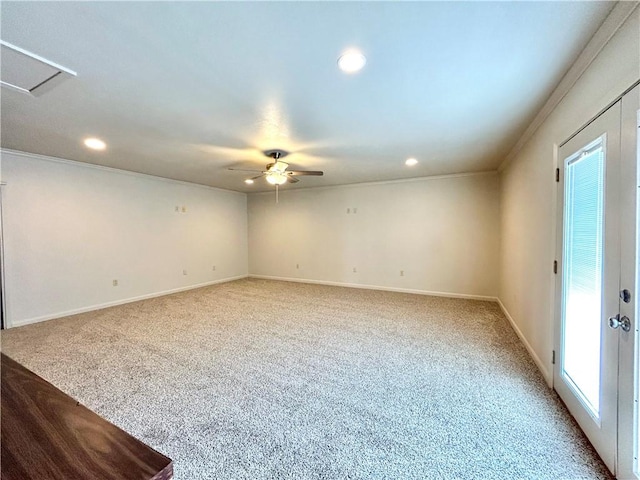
column 47, row 435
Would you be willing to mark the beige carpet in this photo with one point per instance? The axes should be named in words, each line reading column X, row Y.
column 258, row 379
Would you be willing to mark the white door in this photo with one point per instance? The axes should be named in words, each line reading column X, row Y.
column 597, row 368
column 629, row 368
column 588, row 281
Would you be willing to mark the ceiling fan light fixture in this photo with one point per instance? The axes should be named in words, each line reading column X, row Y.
column 278, row 166
column 276, row 178
column 352, row 61
column 411, row 162
column 276, row 172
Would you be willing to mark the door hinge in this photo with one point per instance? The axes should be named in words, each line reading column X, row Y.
column 557, row 174
column 555, row 266
column 553, row 357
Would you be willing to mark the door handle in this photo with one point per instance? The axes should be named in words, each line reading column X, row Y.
column 624, row 323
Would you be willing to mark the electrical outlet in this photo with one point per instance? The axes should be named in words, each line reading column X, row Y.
column 354, row 270
column 177, row 208
column 355, row 210
column 184, row 272
column 348, row 210
column 214, row 268
column 297, row 266
column 402, row 273
column 115, row 283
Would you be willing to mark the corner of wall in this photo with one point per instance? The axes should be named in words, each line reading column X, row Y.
column 546, row 373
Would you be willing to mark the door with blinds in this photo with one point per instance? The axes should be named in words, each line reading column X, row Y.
column 596, row 289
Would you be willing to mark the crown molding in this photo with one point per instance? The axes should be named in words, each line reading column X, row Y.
column 380, row 182
column 616, row 18
column 93, row 166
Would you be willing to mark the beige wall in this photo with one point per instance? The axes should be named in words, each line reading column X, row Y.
column 441, row 232
column 528, row 192
column 70, row 229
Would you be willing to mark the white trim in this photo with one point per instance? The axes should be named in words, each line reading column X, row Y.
column 616, row 18
column 543, row 369
column 48, row 158
column 3, row 281
column 381, row 182
column 554, row 307
column 377, row 287
column 48, row 83
column 487, row 298
column 38, row 58
column 15, row 88
column 541, row 366
column 27, row 321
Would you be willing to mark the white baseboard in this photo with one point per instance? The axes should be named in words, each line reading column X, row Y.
column 377, row 287
column 27, row 321
column 541, row 366
column 548, row 376
column 543, row 369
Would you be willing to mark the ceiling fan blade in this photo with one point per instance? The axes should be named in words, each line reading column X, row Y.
column 291, row 179
column 257, row 177
column 243, row 169
column 305, row 172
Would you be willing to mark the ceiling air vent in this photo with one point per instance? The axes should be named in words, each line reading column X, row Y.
column 29, row 73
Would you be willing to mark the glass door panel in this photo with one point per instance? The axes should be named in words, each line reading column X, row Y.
column 583, row 255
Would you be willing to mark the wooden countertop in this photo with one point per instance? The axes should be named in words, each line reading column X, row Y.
column 47, row 435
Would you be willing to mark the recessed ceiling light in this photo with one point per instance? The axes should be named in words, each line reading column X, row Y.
column 95, row 143
column 411, row 162
column 248, row 181
column 351, row 61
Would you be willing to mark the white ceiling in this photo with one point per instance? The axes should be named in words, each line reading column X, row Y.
column 185, row 90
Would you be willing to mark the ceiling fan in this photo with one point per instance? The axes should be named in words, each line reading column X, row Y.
column 276, row 172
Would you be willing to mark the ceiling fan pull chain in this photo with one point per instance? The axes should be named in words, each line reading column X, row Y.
column 276, row 193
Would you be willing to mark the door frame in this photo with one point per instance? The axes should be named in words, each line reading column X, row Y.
column 626, row 439
column 629, row 346
column 601, row 432
column 3, row 296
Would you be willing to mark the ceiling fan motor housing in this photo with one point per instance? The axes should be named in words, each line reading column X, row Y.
column 276, row 153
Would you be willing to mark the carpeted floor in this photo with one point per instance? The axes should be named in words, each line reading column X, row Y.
column 259, row 379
